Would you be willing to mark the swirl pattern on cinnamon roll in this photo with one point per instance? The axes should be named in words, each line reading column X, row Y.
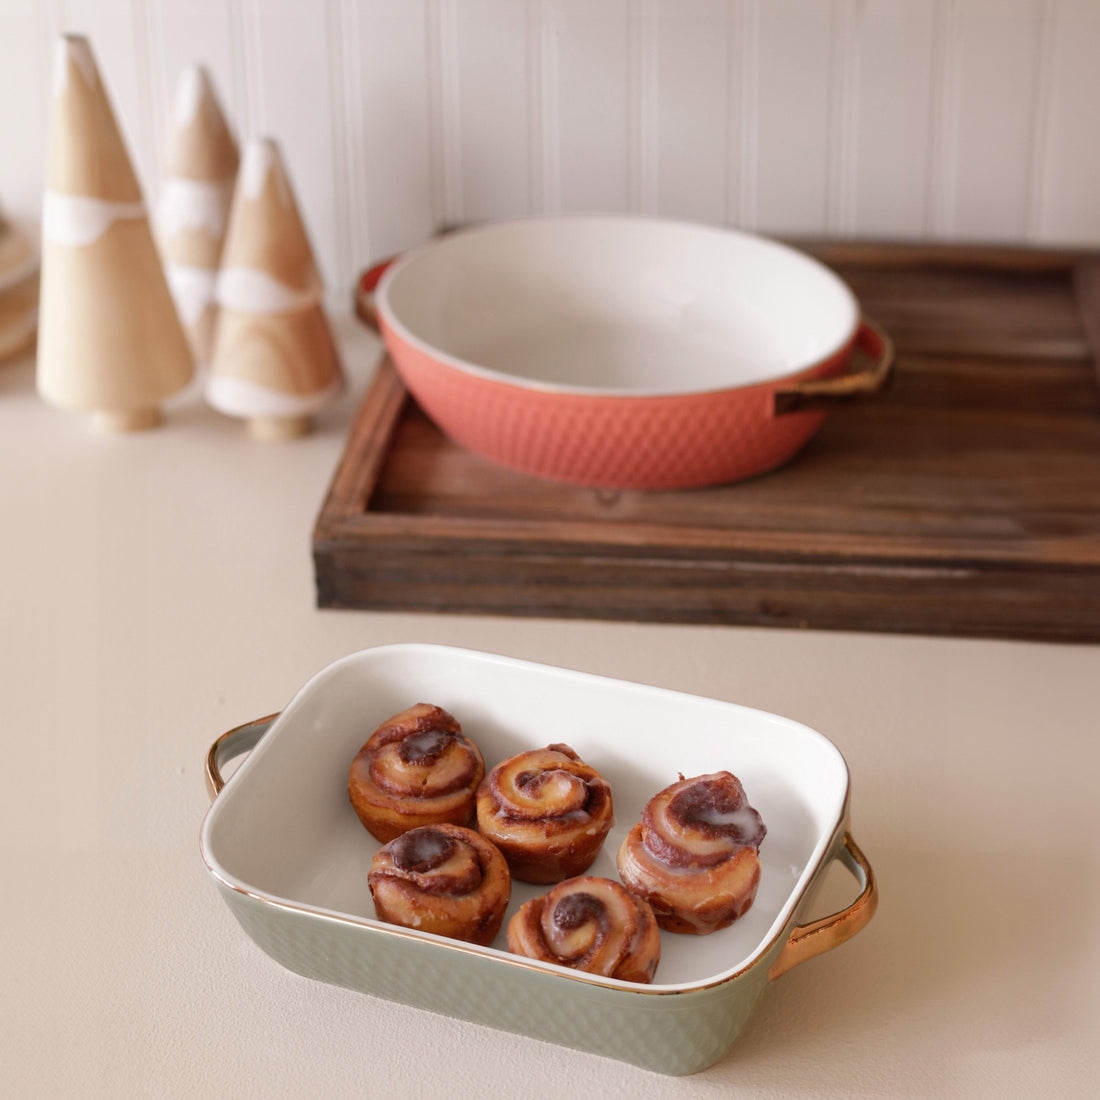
column 444, row 879
column 416, row 769
column 590, row 924
column 694, row 854
column 547, row 811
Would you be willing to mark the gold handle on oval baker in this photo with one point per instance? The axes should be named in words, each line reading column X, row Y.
column 365, row 286
column 233, row 743
column 819, row 936
column 822, row 393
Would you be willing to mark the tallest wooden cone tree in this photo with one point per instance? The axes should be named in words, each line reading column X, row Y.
column 110, row 339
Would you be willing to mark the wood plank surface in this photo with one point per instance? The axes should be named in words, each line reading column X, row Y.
column 963, row 500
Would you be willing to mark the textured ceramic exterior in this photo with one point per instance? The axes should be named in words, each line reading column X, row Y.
column 661, row 442
column 673, row 1034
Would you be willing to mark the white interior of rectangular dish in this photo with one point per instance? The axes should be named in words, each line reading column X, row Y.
column 283, row 827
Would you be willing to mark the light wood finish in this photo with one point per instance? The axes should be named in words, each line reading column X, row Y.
column 18, row 317
column 111, row 421
column 291, row 353
column 110, row 339
column 276, row 429
column 964, row 500
column 266, row 230
column 18, row 289
column 18, row 259
column 201, row 146
column 200, row 167
column 276, row 339
column 194, row 248
column 87, row 151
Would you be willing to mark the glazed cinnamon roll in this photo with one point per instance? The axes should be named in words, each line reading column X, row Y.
column 416, row 769
column 444, row 879
column 693, row 856
column 591, row 924
column 547, row 811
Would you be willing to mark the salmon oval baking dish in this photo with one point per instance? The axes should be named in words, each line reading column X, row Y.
column 622, row 352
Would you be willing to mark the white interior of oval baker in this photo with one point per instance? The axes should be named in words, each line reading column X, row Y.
column 619, row 304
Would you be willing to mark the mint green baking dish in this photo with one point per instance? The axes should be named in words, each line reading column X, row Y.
column 289, row 856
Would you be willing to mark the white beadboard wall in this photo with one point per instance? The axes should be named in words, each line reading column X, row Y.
column 944, row 119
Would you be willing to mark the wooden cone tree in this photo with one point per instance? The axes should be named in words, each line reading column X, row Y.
column 275, row 362
column 110, row 340
column 193, row 210
column 18, row 289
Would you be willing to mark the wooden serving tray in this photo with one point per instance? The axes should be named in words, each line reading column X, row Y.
column 965, row 500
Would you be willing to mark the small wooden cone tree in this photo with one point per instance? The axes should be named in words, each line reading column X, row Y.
column 18, row 289
column 275, row 362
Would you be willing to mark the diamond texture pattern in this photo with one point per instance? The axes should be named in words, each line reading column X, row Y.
column 665, row 442
column 672, row 1033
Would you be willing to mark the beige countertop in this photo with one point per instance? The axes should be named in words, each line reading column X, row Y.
column 158, row 590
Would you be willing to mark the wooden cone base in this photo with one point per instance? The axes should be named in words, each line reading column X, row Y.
column 116, row 421
column 275, row 429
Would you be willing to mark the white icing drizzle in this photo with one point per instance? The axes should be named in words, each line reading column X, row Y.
column 192, row 289
column 196, row 205
column 238, row 397
column 73, row 47
column 76, row 220
column 743, row 819
column 251, row 291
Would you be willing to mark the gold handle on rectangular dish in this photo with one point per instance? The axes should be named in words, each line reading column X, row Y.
column 823, row 393
column 819, row 936
column 233, row 743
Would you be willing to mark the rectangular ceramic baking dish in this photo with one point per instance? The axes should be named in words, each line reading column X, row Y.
column 289, row 856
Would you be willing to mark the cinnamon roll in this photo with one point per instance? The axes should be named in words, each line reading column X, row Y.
column 444, row 879
column 547, row 811
column 416, row 769
column 693, row 856
column 590, row 924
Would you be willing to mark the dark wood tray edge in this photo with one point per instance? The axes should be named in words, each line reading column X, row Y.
column 434, row 566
